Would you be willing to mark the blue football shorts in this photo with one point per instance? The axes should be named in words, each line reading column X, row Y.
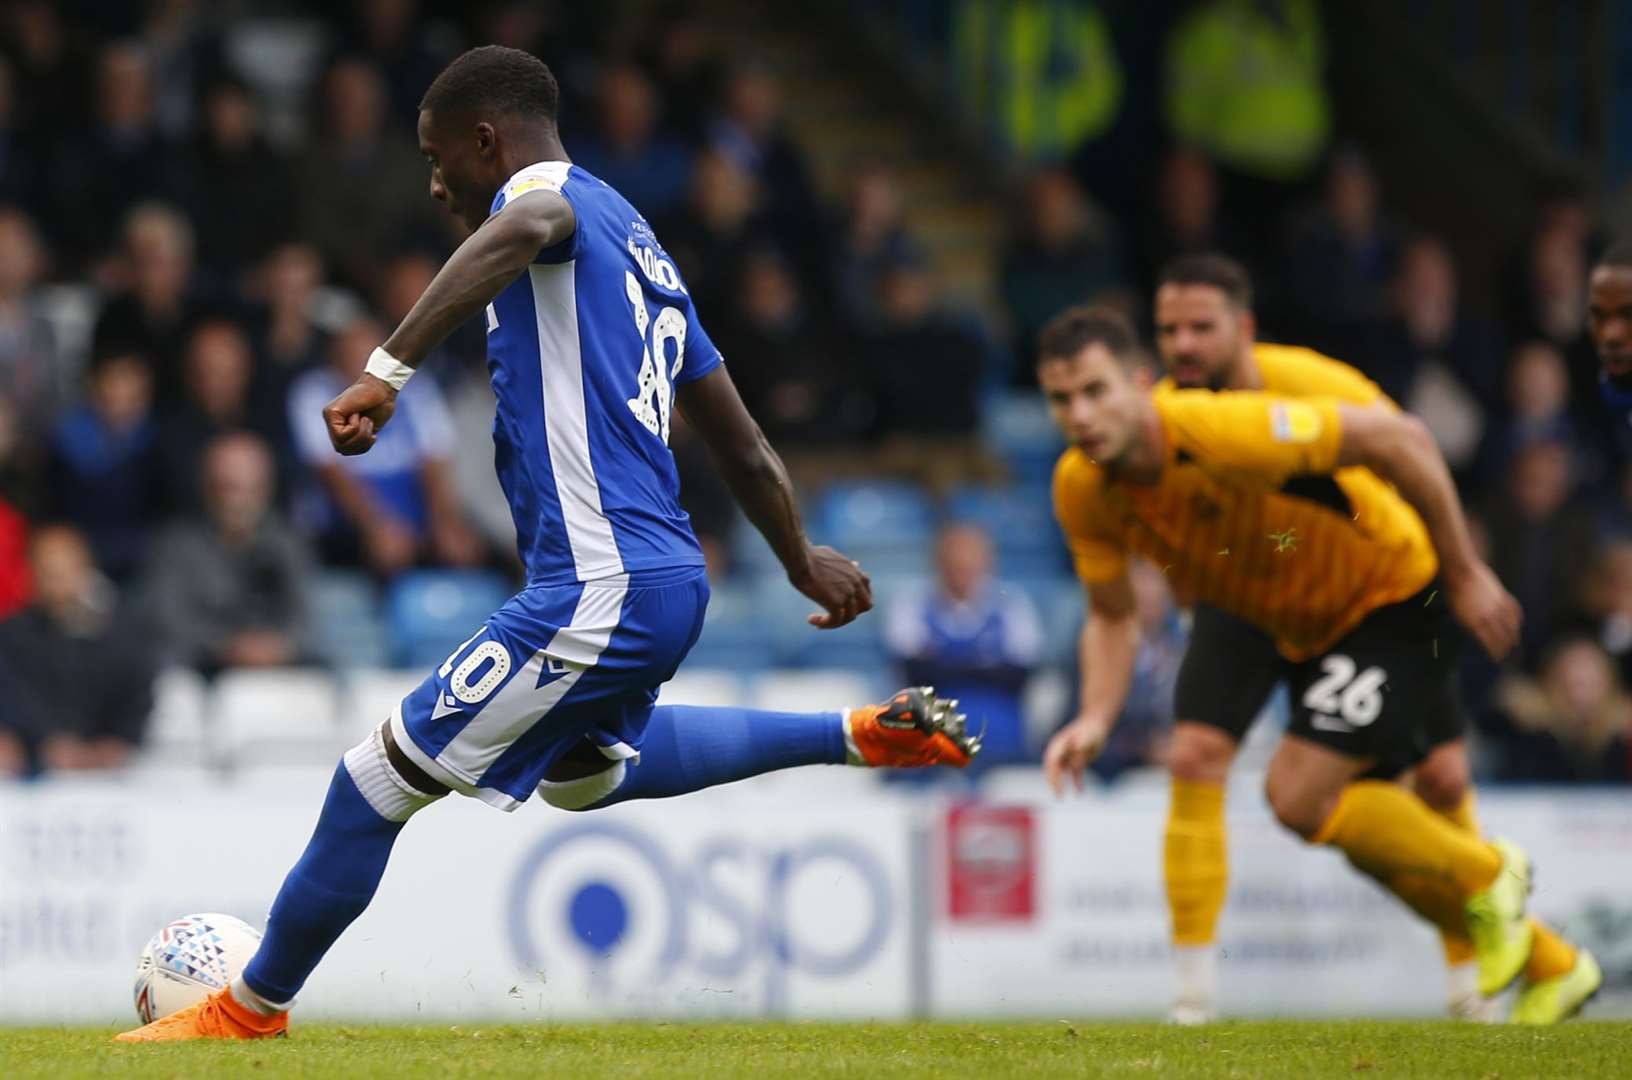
column 555, row 665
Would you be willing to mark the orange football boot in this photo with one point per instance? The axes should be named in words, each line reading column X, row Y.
column 912, row 729
column 218, row 1016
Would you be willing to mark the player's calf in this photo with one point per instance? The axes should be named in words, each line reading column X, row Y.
column 689, row 748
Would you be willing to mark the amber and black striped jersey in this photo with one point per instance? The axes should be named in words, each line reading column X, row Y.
column 1251, row 514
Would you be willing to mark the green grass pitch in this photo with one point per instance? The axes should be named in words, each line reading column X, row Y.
column 765, row 1051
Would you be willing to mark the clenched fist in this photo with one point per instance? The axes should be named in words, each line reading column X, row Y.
column 355, row 417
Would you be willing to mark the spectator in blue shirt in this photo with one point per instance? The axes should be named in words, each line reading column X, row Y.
column 394, row 506
column 971, row 639
column 103, row 473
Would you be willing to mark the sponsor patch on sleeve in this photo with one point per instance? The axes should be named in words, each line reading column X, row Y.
column 1294, row 423
column 532, row 183
column 546, row 176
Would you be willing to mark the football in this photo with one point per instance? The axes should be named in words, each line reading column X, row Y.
column 190, row 958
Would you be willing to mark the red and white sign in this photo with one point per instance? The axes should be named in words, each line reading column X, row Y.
column 991, row 864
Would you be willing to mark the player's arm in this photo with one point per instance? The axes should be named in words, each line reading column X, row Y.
column 479, row 269
column 1399, row 448
column 759, row 482
column 1107, row 650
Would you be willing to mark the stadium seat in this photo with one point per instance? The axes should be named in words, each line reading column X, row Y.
column 744, row 653
column 751, row 557
column 1049, row 559
column 276, row 717
column 734, row 632
column 346, row 625
column 1024, row 512
column 177, row 731
column 704, row 686
column 429, row 612
column 1021, row 522
column 860, row 645
column 1061, row 605
column 874, row 514
column 782, row 614
column 888, row 588
column 1017, row 424
column 915, row 559
column 368, row 696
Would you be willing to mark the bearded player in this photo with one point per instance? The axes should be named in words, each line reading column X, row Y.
column 1205, row 336
column 592, row 340
column 1334, row 530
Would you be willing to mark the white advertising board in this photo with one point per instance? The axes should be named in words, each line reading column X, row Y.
column 699, row 907
column 801, row 901
column 1302, row 933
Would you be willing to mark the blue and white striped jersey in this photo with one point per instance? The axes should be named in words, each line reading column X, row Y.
column 585, row 351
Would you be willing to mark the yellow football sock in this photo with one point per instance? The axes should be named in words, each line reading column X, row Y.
column 1550, row 956
column 1454, row 938
column 1195, row 861
column 1391, row 834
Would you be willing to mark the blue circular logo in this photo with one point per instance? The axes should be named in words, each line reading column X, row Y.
column 598, row 916
column 601, row 911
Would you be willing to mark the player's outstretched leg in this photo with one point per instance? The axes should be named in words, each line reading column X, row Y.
column 1388, row 832
column 367, row 804
column 687, row 748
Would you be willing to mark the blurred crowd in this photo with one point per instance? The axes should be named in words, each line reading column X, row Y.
column 207, row 223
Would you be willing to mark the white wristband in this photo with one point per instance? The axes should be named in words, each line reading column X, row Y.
column 388, row 369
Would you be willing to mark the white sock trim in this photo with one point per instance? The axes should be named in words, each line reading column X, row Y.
column 249, row 999
column 852, row 753
column 392, row 797
column 585, row 791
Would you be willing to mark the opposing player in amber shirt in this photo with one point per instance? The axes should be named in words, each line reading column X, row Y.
column 1248, row 516
column 1236, row 496
column 1205, row 337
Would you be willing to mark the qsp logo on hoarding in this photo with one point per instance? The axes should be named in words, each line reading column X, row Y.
column 613, row 903
column 991, row 863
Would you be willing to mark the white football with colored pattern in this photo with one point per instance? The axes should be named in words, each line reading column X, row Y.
column 189, row 959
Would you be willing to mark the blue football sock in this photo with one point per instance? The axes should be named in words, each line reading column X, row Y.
column 688, row 748
column 328, row 888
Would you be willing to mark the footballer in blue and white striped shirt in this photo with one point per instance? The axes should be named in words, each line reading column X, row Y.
column 593, row 340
